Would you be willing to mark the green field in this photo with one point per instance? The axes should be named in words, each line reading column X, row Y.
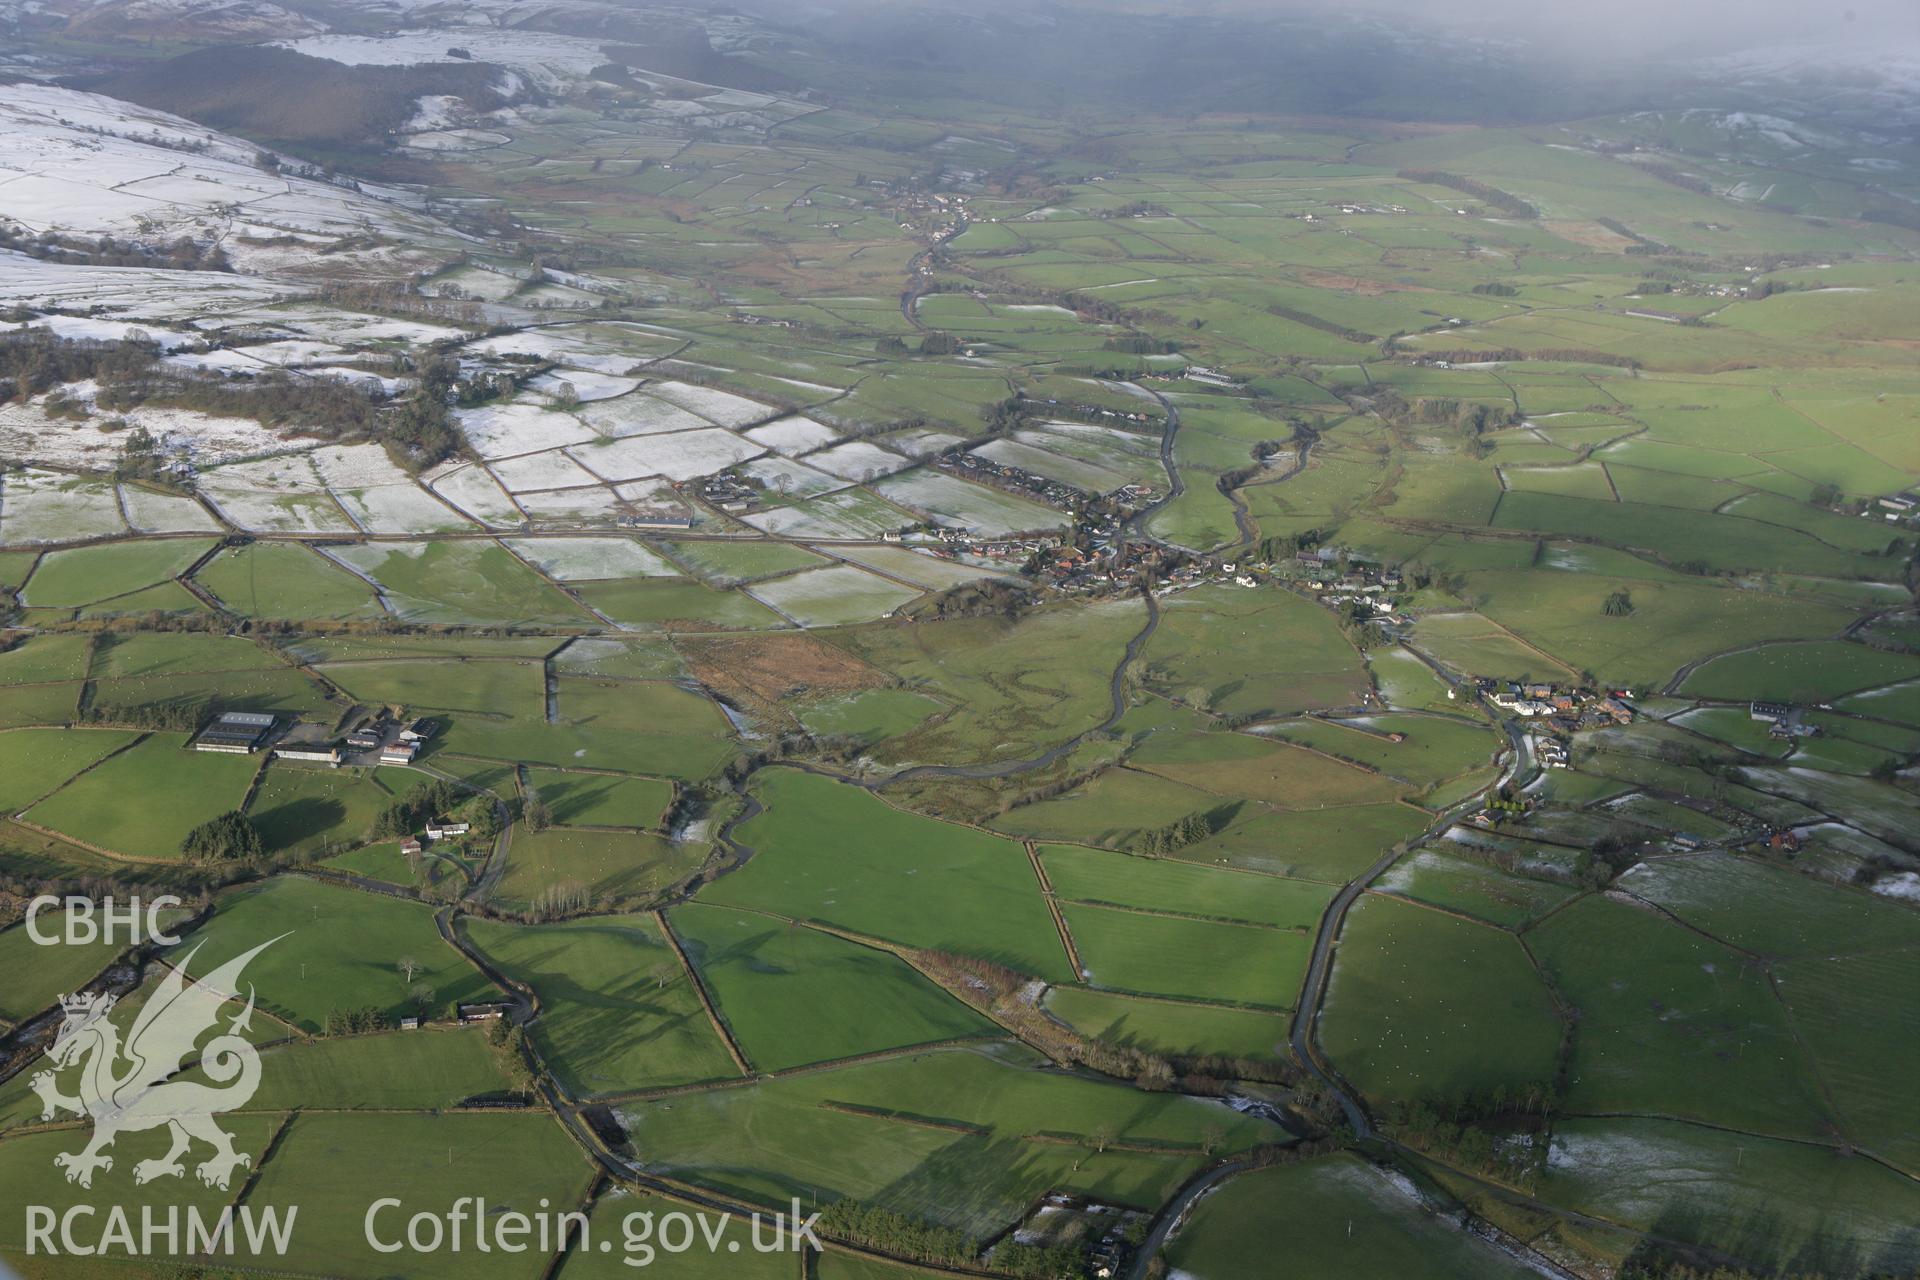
column 1416, row 997
column 601, row 800
column 1084, row 875
column 1170, row 1026
column 727, row 563
column 140, row 654
column 947, row 1135
column 316, row 811
column 1198, row 959
column 281, row 580
column 45, row 973
column 1066, row 660
column 609, row 868
column 1215, row 648
column 829, row 852
column 486, row 687
column 1773, row 1202
column 335, row 949
column 627, row 726
column 1334, row 1216
column 33, row 762
column 1818, row 671
column 870, row 716
column 461, row 582
column 678, row 606
column 1845, row 1007
column 1473, row 888
column 618, row 1012
column 143, row 801
column 794, row 996
column 434, row 1068
column 1432, row 748
column 1674, row 1025
column 69, row 579
column 336, row 1166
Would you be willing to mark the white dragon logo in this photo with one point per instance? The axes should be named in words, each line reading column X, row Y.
column 142, row 1095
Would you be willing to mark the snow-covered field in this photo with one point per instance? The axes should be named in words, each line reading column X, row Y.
column 548, row 62
column 510, row 429
column 83, row 163
column 274, row 495
column 469, row 487
column 858, row 460
column 590, row 559
column 930, row 571
column 831, row 596
column 920, row 442
column 145, row 292
column 792, row 479
column 955, row 503
column 584, row 385
column 722, row 407
column 380, row 497
column 850, row 514
column 150, row 512
column 793, row 436
column 638, row 415
column 100, row 330
column 551, row 470
column 684, row 455
column 38, row 507
column 198, row 436
column 569, row 506
column 1054, row 466
column 567, row 345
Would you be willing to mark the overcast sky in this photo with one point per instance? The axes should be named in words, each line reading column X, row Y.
column 1676, row 25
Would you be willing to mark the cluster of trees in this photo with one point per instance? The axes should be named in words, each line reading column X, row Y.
column 1513, row 355
column 435, row 799
column 161, row 717
column 267, row 92
column 1640, row 242
column 1505, row 201
column 897, row 1234
column 1472, row 418
column 997, row 991
column 1039, row 1262
column 353, row 1022
column 1312, row 321
column 231, row 837
column 1191, row 829
column 182, row 254
column 1140, row 344
column 1636, row 1268
column 569, row 897
column 512, row 1055
column 129, row 373
column 1674, row 177
column 1486, row 1130
column 985, row 598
